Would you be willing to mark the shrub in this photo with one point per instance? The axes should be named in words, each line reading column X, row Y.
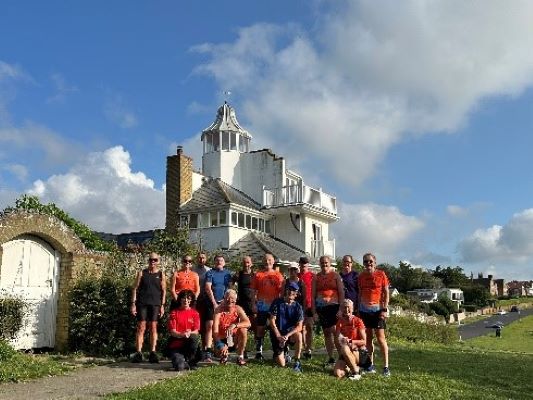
column 12, row 311
column 412, row 330
column 470, row 307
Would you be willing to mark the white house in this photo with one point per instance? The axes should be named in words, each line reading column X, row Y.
column 431, row 295
column 244, row 201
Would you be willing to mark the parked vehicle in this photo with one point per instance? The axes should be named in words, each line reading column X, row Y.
column 500, row 312
column 515, row 309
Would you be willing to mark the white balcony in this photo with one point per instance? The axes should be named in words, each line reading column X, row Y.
column 299, row 194
column 322, row 247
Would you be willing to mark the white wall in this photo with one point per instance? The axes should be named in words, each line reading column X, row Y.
column 284, row 229
column 211, row 238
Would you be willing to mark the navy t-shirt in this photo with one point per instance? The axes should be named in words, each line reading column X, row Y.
column 220, row 281
column 287, row 315
column 349, row 281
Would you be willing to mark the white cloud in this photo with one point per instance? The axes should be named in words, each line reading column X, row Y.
column 61, row 87
column 456, row 211
column 117, row 112
column 18, row 170
column 369, row 74
column 382, row 230
column 511, row 242
column 103, row 192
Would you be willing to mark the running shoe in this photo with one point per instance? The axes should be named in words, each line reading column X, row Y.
column 223, row 360
column 208, row 357
column 354, row 377
column 370, row 370
column 308, row 355
column 241, row 361
column 287, row 356
column 297, row 367
column 137, row 357
column 386, row 371
column 153, row 358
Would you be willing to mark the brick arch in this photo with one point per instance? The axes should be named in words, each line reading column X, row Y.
column 47, row 227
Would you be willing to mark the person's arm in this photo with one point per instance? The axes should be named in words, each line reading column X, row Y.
column 173, row 286
column 209, row 289
column 340, row 288
column 216, row 322
column 134, row 293
column 273, row 326
column 385, row 301
column 163, row 293
column 253, row 291
column 244, row 321
column 313, row 295
column 360, row 343
column 196, row 284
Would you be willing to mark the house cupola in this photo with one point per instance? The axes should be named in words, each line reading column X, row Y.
column 225, row 133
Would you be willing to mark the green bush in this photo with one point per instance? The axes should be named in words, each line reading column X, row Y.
column 470, row 307
column 12, row 310
column 412, row 330
column 6, row 351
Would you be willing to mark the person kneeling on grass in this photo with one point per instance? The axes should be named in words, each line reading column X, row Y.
column 230, row 328
column 286, row 324
column 351, row 341
column 183, row 327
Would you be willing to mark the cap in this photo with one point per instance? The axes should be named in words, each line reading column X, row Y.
column 293, row 286
column 304, row 260
column 293, row 265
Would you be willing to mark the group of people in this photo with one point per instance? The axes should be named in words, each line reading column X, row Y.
column 212, row 311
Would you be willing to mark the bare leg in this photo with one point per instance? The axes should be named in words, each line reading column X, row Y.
column 139, row 338
column 329, row 334
column 153, row 335
column 308, row 336
column 370, row 343
column 382, row 342
column 298, row 342
column 242, row 338
column 208, row 334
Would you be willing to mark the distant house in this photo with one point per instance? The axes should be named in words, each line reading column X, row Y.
column 246, row 202
column 489, row 283
column 431, row 295
column 519, row 288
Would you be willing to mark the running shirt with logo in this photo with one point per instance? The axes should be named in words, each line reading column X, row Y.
column 307, row 279
column 349, row 280
column 182, row 321
column 226, row 319
column 268, row 285
column 150, row 292
column 371, row 287
column 186, row 280
column 287, row 315
column 220, row 281
column 350, row 329
column 327, row 291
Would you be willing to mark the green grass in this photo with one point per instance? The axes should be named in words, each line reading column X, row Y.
column 516, row 337
column 418, row 372
column 15, row 366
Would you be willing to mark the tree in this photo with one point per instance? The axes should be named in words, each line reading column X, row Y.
column 476, row 294
column 451, row 276
column 405, row 277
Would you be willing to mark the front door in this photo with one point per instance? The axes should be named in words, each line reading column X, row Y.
column 30, row 270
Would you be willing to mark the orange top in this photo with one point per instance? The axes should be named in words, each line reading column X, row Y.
column 268, row 285
column 350, row 329
column 226, row 319
column 371, row 286
column 186, row 280
column 327, row 291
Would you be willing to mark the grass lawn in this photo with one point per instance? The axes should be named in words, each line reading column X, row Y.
column 418, row 372
column 15, row 366
column 516, row 337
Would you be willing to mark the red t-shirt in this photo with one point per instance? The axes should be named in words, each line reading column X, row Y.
column 350, row 329
column 307, row 279
column 181, row 321
column 371, row 286
column 268, row 285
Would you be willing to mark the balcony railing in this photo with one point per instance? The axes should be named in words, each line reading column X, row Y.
column 298, row 194
column 322, row 247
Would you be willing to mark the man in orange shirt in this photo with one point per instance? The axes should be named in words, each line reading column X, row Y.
column 373, row 309
column 351, row 336
column 266, row 286
column 307, row 277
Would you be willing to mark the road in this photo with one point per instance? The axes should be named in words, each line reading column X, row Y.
column 479, row 328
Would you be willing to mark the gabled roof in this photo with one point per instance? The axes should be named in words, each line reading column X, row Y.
column 215, row 192
column 256, row 245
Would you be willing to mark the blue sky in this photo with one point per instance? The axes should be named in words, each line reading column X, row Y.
column 417, row 118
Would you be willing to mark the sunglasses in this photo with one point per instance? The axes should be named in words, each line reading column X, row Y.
column 368, row 261
column 153, row 259
column 187, row 261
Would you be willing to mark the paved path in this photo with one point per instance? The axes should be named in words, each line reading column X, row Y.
column 89, row 383
column 479, row 328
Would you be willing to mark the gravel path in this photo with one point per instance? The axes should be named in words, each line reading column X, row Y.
column 89, row 382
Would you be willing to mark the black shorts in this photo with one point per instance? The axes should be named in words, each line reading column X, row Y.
column 309, row 313
column 276, row 348
column 262, row 318
column 147, row 313
column 373, row 320
column 327, row 315
column 205, row 309
column 364, row 358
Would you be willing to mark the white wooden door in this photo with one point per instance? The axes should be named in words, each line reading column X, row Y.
column 30, row 269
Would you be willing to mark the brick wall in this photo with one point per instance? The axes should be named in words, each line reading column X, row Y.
column 178, row 186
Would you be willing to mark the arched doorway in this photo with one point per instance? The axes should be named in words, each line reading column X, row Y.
column 30, row 269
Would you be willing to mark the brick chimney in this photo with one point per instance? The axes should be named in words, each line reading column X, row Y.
column 179, row 186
